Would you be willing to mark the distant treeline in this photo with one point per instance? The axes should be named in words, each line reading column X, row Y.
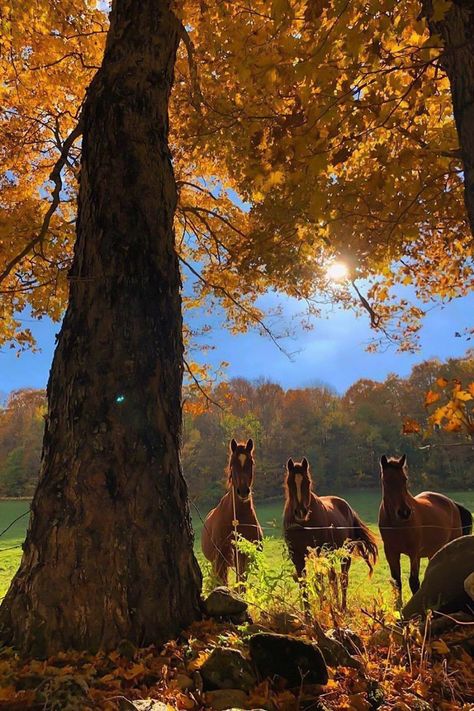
column 342, row 436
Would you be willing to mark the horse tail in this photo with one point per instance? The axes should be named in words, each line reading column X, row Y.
column 466, row 519
column 366, row 543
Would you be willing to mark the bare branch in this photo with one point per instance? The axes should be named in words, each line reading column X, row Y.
column 223, row 290
column 374, row 318
column 55, row 176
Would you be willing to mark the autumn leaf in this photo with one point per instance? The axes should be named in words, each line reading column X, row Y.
column 411, row 426
column 440, row 647
column 453, row 425
column 431, row 397
column 440, row 9
column 199, row 660
column 359, row 702
column 136, row 670
column 463, row 395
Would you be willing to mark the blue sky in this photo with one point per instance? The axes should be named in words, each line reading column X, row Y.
column 332, row 352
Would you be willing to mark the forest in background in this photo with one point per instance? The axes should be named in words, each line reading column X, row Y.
column 343, row 436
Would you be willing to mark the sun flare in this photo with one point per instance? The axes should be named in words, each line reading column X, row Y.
column 337, row 271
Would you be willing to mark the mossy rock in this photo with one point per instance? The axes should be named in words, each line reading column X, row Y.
column 227, row 669
column 292, row 659
column 442, row 588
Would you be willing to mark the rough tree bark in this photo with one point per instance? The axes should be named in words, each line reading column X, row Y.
column 108, row 553
column 456, row 29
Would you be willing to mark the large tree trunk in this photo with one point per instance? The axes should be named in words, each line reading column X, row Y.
column 108, row 553
column 456, row 29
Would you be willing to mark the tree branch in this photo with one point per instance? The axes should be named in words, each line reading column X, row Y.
column 196, row 98
column 200, row 388
column 223, row 290
column 55, row 176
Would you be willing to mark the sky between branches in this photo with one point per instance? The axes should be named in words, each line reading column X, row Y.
column 333, row 352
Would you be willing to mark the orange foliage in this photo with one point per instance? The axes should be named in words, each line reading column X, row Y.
column 330, row 121
column 399, row 678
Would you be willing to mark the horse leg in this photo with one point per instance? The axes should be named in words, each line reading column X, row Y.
column 345, row 567
column 221, row 568
column 393, row 560
column 414, row 573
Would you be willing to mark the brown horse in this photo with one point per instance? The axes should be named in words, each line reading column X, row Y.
column 235, row 512
column 312, row 521
column 416, row 526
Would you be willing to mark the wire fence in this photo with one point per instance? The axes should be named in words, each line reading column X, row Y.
column 402, row 526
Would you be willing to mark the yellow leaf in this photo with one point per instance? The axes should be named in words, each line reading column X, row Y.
column 271, row 75
column 108, row 677
column 440, row 647
column 442, row 382
column 199, row 661
column 276, row 177
column 440, row 9
column 185, row 702
column 134, row 671
column 463, row 395
column 359, row 702
column 453, row 426
column 7, row 693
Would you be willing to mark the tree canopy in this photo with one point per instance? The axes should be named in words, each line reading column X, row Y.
column 302, row 132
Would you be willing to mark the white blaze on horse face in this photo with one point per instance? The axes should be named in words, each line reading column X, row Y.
column 242, row 459
column 298, row 482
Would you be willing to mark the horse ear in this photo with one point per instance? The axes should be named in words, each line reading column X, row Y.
column 383, row 461
column 290, row 465
column 249, row 445
column 304, row 464
column 403, row 460
column 233, row 445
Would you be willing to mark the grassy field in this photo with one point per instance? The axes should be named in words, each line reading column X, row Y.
column 362, row 589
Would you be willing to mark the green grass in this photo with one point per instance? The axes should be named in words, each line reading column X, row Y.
column 9, row 559
column 361, row 589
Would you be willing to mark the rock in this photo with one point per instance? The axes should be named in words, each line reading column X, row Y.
column 227, row 669
column 443, row 585
column 141, row 705
column 127, row 649
column 335, row 654
column 375, row 695
column 445, row 624
column 349, row 639
column 183, row 682
column 420, row 705
column 223, row 699
column 221, row 602
column 289, row 658
column 286, row 623
column 469, row 585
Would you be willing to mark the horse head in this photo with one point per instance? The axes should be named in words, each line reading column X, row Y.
column 394, row 475
column 298, row 489
column 241, row 464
